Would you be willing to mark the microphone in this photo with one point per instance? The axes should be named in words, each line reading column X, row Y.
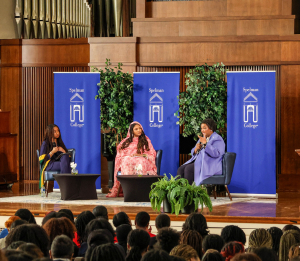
column 53, row 144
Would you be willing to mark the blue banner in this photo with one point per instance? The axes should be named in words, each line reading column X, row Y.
column 77, row 114
column 155, row 102
column 251, row 131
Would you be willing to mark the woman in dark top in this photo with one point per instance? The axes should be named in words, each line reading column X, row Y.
column 51, row 148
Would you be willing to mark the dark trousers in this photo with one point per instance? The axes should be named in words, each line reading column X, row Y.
column 63, row 165
column 187, row 172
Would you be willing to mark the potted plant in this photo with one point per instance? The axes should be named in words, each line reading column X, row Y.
column 116, row 98
column 179, row 194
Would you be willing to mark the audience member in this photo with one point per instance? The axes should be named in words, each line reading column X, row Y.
column 196, row 221
column 288, row 239
column 186, row 252
column 161, row 221
column 231, row 249
column 80, row 223
column 2, row 255
column 290, row 227
column 19, row 257
column 167, row 239
column 25, row 214
column 10, row 227
column 14, row 245
column 30, row 233
column 121, row 219
column 31, row 249
column 193, row 239
column 137, row 244
column 7, row 225
column 233, row 233
column 62, row 248
column 266, row 254
column 259, row 238
column 142, row 220
column 48, row 216
column 212, row 255
column 122, row 232
column 99, row 223
column 213, row 241
column 100, row 211
column 156, row 255
column 294, row 251
column 276, row 234
column 68, row 212
column 16, row 223
column 106, row 252
column 246, row 257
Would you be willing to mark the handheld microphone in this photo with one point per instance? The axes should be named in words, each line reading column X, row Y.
column 53, row 144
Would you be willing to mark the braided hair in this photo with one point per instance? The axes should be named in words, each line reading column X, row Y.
column 81, row 222
column 259, row 238
column 49, row 134
column 231, row 249
column 138, row 240
column 294, row 251
column 193, row 239
column 276, row 234
column 142, row 144
column 233, row 233
column 288, row 239
column 184, row 251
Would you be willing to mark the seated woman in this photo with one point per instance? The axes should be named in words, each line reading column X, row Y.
column 134, row 151
column 51, row 148
column 207, row 155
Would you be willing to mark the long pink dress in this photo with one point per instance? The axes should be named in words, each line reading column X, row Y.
column 127, row 164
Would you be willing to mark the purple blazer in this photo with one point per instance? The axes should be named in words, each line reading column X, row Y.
column 208, row 161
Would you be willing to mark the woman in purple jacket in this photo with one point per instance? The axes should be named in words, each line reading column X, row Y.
column 207, row 155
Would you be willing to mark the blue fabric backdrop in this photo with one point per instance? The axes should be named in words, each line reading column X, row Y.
column 251, row 131
column 155, row 102
column 77, row 114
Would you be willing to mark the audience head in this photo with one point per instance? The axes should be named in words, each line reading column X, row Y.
column 100, row 211
column 62, row 247
column 233, row 233
column 99, row 237
column 212, row 255
column 14, row 245
column 259, row 238
column 196, row 221
column 294, row 251
column 18, row 256
column 99, row 223
column 167, row 239
column 193, row 239
column 186, row 252
column 290, row 227
column 137, row 242
column 25, row 214
column 68, row 212
column 246, row 257
column 16, row 223
column 213, row 241
column 288, row 239
column 157, row 255
column 276, row 234
column 106, row 252
column 231, row 249
column 10, row 220
column 81, row 221
column 266, row 254
column 142, row 220
column 122, row 232
column 162, row 220
column 59, row 226
column 121, row 219
column 30, row 233
column 31, row 249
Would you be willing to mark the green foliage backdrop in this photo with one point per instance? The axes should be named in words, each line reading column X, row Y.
column 205, row 97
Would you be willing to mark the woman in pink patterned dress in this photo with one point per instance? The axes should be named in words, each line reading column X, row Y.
column 135, row 155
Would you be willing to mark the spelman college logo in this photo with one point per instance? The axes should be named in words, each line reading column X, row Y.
column 76, row 109
column 250, row 109
column 156, row 109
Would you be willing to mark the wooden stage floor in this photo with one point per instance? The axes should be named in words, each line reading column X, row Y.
column 284, row 210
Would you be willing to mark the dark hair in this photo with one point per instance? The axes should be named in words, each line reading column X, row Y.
column 193, row 239
column 138, row 240
column 212, row 255
column 184, row 251
column 122, row 232
column 246, row 257
column 16, row 223
column 211, row 124
column 30, row 233
column 231, row 249
column 162, row 220
column 99, row 223
column 48, row 216
column 259, row 238
column 213, row 241
column 266, row 254
column 68, row 212
column 106, row 252
column 142, row 219
column 167, row 239
column 25, row 214
column 120, row 219
column 99, row 237
column 31, row 249
column 81, row 221
column 196, row 221
column 14, row 245
column 276, row 234
column 233, row 233
column 157, row 255
column 48, row 138
column 100, row 211
column 62, row 247
column 20, row 257
column 290, row 227
column 142, row 144
column 59, row 226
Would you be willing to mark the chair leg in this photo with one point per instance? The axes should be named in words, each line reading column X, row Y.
column 215, row 191
column 47, row 183
column 228, row 192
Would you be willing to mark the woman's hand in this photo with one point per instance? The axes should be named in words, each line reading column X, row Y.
column 61, row 149
column 202, row 139
column 53, row 151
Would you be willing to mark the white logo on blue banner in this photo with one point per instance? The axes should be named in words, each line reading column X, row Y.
column 155, row 102
column 251, row 131
column 77, row 114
